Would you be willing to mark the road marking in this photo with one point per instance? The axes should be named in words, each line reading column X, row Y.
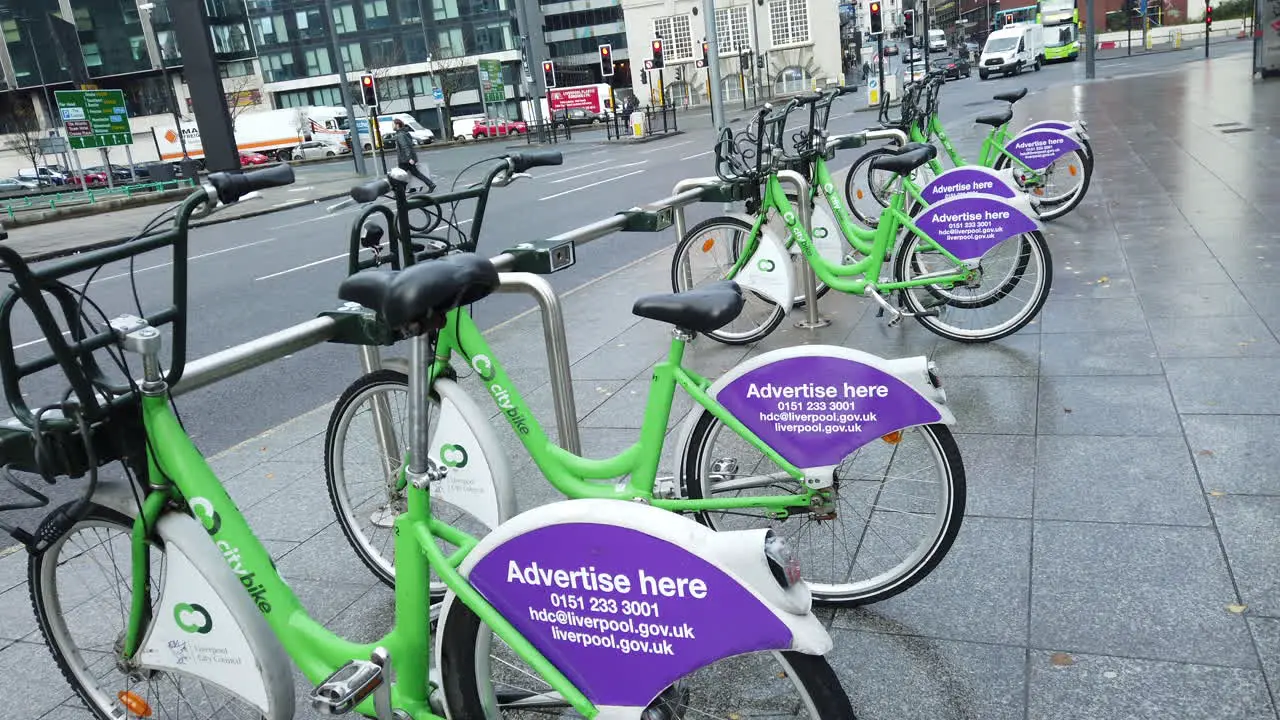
column 598, row 170
column 37, row 342
column 664, row 147
column 193, row 257
column 572, row 169
column 302, row 267
column 302, row 189
column 325, row 216
column 584, row 187
column 690, row 157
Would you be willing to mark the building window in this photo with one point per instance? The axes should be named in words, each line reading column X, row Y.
column 789, row 22
column 297, row 98
column 732, row 32
column 793, row 80
column 444, row 9
column 239, row 68
column 352, row 58
column 317, row 61
column 393, row 88
column 375, row 14
column 409, row 12
column 677, row 43
column 422, row 86
column 385, row 53
column 493, row 37
column 92, row 58
column 277, row 67
column 326, row 96
column 449, row 43
column 271, row 30
column 344, row 19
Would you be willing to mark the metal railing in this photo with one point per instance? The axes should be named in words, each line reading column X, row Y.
column 657, row 119
column 90, row 196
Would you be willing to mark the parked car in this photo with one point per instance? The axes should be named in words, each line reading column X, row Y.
column 574, row 116
column 253, row 158
column 953, row 67
column 8, row 185
column 118, row 172
column 45, row 175
column 913, row 55
column 890, row 49
column 914, row 72
column 88, row 178
column 496, row 128
column 315, row 149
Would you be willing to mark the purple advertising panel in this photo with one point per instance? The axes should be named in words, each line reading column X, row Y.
column 814, row 411
column 621, row 613
column 970, row 225
column 966, row 180
column 1038, row 149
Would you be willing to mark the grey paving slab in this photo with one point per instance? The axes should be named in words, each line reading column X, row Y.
column 992, row 405
column 1069, row 686
column 626, row 355
column 1186, row 300
column 1117, row 479
column 262, row 480
column 1106, row 405
column 368, row 618
column 13, row 567
column 17, row 619
column 1265, row 300
column 1206, row 337
column 295, row 513
column 1250, row 526
column 999, row 473
column 1108, row 315
column 1147, row 591
column 68, row 712
column 626, row 407
column 1233, row 386
column 1098, row 353
column 902, row 677
column 978, row 593
column 1266, row 634
column 1235, row 453
column 30, row 666
column 1014, row 355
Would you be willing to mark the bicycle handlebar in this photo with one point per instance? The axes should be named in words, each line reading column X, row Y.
column 233, row 185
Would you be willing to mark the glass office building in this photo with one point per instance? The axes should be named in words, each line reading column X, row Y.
column 574, row 31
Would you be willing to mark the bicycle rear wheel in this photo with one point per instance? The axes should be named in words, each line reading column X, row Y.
column 866, row 191
column 483, row 678
column 1061, row 186
column 897, row 507
column 707, row 254
column 81, row 595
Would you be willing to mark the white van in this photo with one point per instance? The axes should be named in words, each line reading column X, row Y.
column 937, row 41
column 1012, row 49
column 420, row 134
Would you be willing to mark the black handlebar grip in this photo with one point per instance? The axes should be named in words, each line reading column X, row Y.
column 521, row 162
column 808, row 98
column 370, row 191
column 232, row 186
column 846, row 89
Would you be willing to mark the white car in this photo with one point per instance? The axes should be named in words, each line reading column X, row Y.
column 915, row 72
column 315, row 149
column 45, row 176
column 17, row 185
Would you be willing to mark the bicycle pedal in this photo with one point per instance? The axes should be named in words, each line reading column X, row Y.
column 347, row 687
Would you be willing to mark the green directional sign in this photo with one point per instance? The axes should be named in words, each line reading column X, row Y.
column 491, row 81
column 94, row 118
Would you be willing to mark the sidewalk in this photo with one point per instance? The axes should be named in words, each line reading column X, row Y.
column 1118, row 558
column 62, row 237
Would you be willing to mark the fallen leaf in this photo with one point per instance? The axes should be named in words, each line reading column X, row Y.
column 1206, row 453
column 1061, row 659
column 1216, row 493
column 1104, row 279
column 1237, row 609
column 1066, row 410
column 270, row 475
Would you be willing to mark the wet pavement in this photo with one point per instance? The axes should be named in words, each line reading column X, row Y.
column 1118, row 558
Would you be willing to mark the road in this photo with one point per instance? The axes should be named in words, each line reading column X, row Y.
column 255, row 276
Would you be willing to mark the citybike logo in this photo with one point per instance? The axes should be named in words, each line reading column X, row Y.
column 454, row 456
column 484, row 368
column 788, row 217
column 820, row 233
column 212, row 522
column 828, row 188
column 765, row 265
column 192, row 618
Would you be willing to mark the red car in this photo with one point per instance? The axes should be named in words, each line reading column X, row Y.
column 253, row 158
column 497, row 128
column 88, row 179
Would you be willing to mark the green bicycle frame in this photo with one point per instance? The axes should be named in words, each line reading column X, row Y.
column 182, row 474
column 993, row 146
column 873, row 244
column 579, row 477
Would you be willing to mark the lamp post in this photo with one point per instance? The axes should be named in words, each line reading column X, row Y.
column 170, row 93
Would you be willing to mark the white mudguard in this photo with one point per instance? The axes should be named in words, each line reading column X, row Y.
column 816, row 404
column 1075, row 128
column 769, row 272
column 625, row 598
column 1040, row 147
column 208, row 627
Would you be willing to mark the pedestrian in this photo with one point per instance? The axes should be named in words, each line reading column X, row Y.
column 407, row 155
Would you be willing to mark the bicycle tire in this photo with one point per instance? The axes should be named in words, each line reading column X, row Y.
column 103, row 702
column 850, row 192
column 771, row 311
column 1039, row 254
column 938, row 441
column 1054, row 210
column 980, row 301
column 379, row 557
column 468, row 684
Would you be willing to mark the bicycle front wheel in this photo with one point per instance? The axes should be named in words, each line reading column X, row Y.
column 1059, row 187
column 483, row 678
column 1009, row 287
column 362, row 478
column 866, row 191
column 896, row 507
column 81, row 593
column 707, row 254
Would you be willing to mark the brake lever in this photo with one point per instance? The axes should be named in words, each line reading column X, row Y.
column 507, row 178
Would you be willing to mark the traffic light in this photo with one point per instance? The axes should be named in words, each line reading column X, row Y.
column 368, row 91
column 1208, row 16
column 873, row 16
column 657, row 54
column 606, row 60
column 706, row 51
column 549, row 73
column 909, row 23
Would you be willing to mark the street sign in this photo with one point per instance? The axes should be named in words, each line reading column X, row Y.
column 491, row 80
column 873, row 91
column 699, row 63
column 94, row 118
column 54, row 145
column 437, row 93
column 648, row 64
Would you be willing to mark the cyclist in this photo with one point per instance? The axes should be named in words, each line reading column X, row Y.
column 407, row 156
